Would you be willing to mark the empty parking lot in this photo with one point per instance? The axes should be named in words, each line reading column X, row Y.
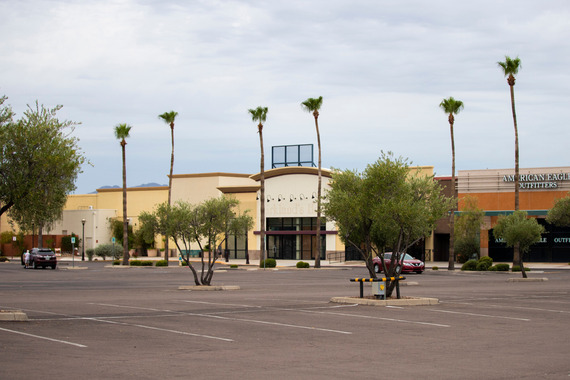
column 127, row 323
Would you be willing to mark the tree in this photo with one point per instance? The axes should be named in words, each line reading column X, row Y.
column 121, row 133
column 389, row 205
column 169, row 118
column 314, row 105
column 518, row 230
column 452, row 107
column 559, row 214
column 208, row 223
column 116, row 227
column 467, row 229
column 259, row 115
column 510, row 68
column 39, row 163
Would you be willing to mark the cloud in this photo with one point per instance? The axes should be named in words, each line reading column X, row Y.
column 382, row 68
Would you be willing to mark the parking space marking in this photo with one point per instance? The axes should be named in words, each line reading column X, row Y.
column 160, row 329
column 373, row 317
column 481, row 315
column 218, row 303
column 235, row 319
column 494, row 306
column 44, row 337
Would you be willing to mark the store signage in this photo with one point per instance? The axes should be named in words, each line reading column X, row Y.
column 538, row 181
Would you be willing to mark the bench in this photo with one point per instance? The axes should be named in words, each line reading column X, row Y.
column 387, row 280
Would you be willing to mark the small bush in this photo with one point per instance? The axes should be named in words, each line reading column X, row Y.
column 161, row 263
column 233, row 266
column 140, row 263
column 302, row 264
column 469, row 265
column 90, row 252
column 109, row 250
column 486, row 259
column 484, row 263
column 3, row 259
column 268, row 263
column 500, row 267
column 517, row 268
column 435, row 268
column 482, row 266
column 116, row 262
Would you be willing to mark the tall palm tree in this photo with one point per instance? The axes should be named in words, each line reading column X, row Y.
column 314, row 105
column 121, row 133
column 169, row 118
column 511, row 68
column 259, row 115
column 452, row 107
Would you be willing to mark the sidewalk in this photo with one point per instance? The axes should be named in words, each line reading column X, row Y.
column 442, row 265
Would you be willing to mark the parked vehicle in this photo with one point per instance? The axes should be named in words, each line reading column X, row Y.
column 409, row 263
column 42, row 257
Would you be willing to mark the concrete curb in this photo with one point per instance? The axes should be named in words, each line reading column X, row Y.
column 389, row 302
column 529, row 279
column 74, row 268
column 209, row 288
column 13, row 315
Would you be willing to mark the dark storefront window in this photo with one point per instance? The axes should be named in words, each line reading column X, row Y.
column 287, row 244
column 554, row 246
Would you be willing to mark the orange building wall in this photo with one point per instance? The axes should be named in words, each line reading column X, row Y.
column 528, row 200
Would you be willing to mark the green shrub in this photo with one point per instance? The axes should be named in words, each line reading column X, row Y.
column 486, row 259
column 469, row 265
column 268, row 263
column 484, row 263
column 116, row 262
column 90, row 252
column 435, row 268
column 233, row 266
column 501, row 267
column 113, row 251
column 140, row 263
column 161, row 263
column 302, row 264
column 517, row 268
column 482, row 266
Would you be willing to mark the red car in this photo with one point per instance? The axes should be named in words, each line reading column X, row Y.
column 409, row 264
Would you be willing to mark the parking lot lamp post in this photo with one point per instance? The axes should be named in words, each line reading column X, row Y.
column 83, row 240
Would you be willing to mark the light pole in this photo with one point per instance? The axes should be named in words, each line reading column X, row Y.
column 83, row 240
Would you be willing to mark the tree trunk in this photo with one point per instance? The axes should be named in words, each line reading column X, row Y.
column 125, row 222
column 166, row 245
column 511, row 81
column 262, row 255
column 451, row 264
column 318, row 236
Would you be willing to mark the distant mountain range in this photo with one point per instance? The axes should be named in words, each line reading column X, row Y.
column 151, row 184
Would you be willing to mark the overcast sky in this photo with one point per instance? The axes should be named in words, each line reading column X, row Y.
column 382, row 68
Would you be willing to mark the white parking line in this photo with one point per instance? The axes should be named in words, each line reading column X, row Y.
column 45, row 338
column 217, row 303
column 160, row 329
column 377, row 318
column 493, row 306
column 480, row 315
column 235, row 319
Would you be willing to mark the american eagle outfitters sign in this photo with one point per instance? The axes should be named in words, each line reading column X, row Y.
column 538, row 181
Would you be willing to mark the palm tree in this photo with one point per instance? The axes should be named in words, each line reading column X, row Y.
column 452, row 107
column 511, row 68
column 314, row 105
column 169, row 118
column 121, row 133
column 259, row 115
